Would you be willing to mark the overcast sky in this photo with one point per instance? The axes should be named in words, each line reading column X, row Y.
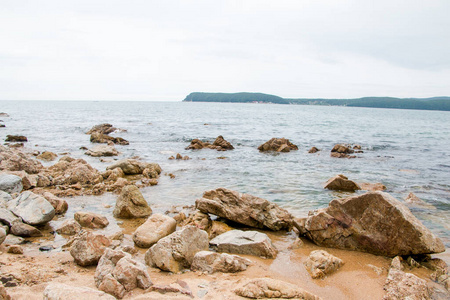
column 163, row 50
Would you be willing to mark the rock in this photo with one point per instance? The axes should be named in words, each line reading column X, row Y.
column 69, row 227
column 10, row 183
column 374, row 222
column 88, row 249
column 313, row 150
column 111, row 286
column 199, row 220
column 131, row 204
column 4, row 198
column 7, row 217
column 69, row 171
column 133, row 166
column 102, row 150
column 3, row 293
column 341, row 183
column 217, row 228
column 15, row 160
column 208, row 261
column 11, row 239
column 372, row 187
column 32, row 208
column 91, row 220
column 60, row 205
column 321, row 263
column 47, row 156
column 16, row 138
column 277, row 144
column 2, row 235
column 296, row 244
column 219, row 144
column 176, row 251
column 340, row 148
column 131, row 274
column 24, row 230
column 245, row 242
column 15, row 249
column 222, row 144
column 414, row 201
column 179, row 287
column 104, row 128
column 260, row 288
column 245, row 209
column 97, row 137
column 59, row 291
column 155, row 228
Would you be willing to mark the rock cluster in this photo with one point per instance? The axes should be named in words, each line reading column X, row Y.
column 220, row 144
column 278, row 145
column 344, row 150
column 100, row 134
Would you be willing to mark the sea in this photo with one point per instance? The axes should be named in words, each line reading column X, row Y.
column 406, row 150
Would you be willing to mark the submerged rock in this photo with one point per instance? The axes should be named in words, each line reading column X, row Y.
column 321, row 263
column 245, row 209
column 341, row 183
column 133, row 166
column 313, row 150
column 208, row 261
column 97, row 137
column 131, row 204
column 155, row 228
column 102, row 150
column 374, row 222
column 33, row 209
column 260, row 288
column 278, row 145
column 10, row 183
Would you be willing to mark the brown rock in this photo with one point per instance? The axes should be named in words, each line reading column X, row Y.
column 69, row 227
column 133, row 166
column 372, row 187
column 374, row 222
column 91, row 220
column 47, row 156
column 245, row 209
column 313, row 150
column 68, row 171
column 16, row 138
column 339, row 148
column 321, row 263
column 97, row 137
column 15, row 249
column 60, row 205
column 131, row 204
column 219, row 144
column 104, row 128
column 211, row 262
column 24, row 230
column 3, row 293
column 155, row 228
column 341, row 183
column 261, row 288
column 277, row 144
column 413, row 201
column 59, row 291
column 102, row 150
column 222, row 144
column 88, row 249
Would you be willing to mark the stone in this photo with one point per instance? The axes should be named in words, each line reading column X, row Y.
column 107, row 263
column 217, row 228
column 4, row 198
column 176, row 251
column 132, row 274
column 278, row 145
column 179, row 287
column 69, row 227
column 219, row 144
column 372, row 187
column 104, row 128
column 69, row 171
column 47, row 156
column 14, row 160
column 97, row 137
column 199, row 220
column 208, row 261
column 88, row 249
column 413, row 201
column 340, row 148
column 91, row 220
column 259, row 288
column 155, row 228
column 245, row 209
column 111, row 286
column 245, row 242
column 16, row 138
column 10, row 183
column 11, row 239
column 60, row 205
column 102, row 150
column 24, row 230
column 313, row 150
column 341, row 183
column 222, row 144
column 15, row 249
column 2, row 235
column 321, row 263
column 3, row 293
column 133, row 166
column 131, row 204
column 33, row 209
column 374, row 222
column 60, row 291
column 7, row 217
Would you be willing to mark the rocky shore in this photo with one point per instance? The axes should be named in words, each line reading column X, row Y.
column 69, row 231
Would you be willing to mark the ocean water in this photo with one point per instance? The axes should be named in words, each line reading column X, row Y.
column 406, row 150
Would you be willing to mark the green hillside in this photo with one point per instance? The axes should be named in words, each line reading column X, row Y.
column 235, row 97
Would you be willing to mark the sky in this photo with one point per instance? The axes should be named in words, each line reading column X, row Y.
column 164, row 50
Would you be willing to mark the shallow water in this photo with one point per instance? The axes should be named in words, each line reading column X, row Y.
column 406, row 150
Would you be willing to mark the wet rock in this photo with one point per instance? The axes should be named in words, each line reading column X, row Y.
column 374, row 222
column 245, row 242
column 102, row 150
column 2, row 235
column 414, row 201
column 176, row 251
column 97, row 137
column 219, row 144
column 104, row 128
column 15, row 249
column 69, row 227
column 16, row 138
column 131, row 204
column 155, row 228
column 33, row 209
column 91, row 220
column 24, row 230
column 321, row 263
column 47, row 156
column 10, row 183
column 278, row 145
column 88, row 249
column 245, row 209
column 133, row 166
column 341, row 183
column 60, row 205
column 340, row 148
column 7, row 217
column 372, row 187
column 271, row 288
column 59, row 291
column 208, row 261
column 313, row 150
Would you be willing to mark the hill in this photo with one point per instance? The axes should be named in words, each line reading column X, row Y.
column 235, row 97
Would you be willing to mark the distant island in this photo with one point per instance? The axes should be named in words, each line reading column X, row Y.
column 434, row 103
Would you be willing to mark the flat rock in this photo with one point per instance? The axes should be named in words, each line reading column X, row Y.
column 131, row 204
column 261, row 288
column 208, row 261
column 88, row 248
column 33, row 209
column 245, row 242
column 91, row 220
column 12, row 239
column 60, row 291
column 10, row 183
column 102, row 150
column 341, row 183
column 372, row 187
column 176, row 251
column 155, row 228
column 69, row 227
column 374, row 222
column 321, row 263
column 278, row 145
column 245, row 209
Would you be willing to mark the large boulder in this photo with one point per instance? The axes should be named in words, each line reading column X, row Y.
column 88, row 248
column 155, row 228
column 374, row 222
column 208, row 261
column 60, row 291
column 176, row 251
column 259, row 288
column 245, row 209
column 10, row 183
column 321, row 263
column 131, row 204
column 133, row 166
column 341, row 183
column 245, row 242
column 91, row 220
column 33, row 209
column 278, row 145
